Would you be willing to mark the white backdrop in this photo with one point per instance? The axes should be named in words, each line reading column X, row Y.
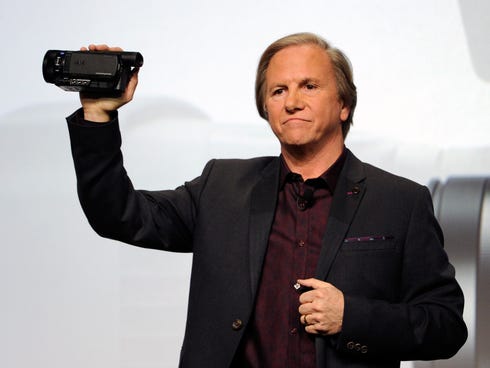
column 71, row 299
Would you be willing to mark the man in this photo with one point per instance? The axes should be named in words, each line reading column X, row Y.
column 310, row 259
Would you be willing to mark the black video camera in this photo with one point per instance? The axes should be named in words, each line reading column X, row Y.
column 101, row 72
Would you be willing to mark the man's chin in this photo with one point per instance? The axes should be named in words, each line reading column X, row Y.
column 296, row 141
column 296, row 146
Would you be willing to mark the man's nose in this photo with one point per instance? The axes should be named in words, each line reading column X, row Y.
column 294, row 102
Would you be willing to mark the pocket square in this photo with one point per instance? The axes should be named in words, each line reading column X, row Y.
column 367, row 238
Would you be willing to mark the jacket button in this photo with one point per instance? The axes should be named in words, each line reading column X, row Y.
column 237, row 324
column 364, row 349
column 350, row 345
column 356, row 190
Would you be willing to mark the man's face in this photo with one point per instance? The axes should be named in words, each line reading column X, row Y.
column 301, row 99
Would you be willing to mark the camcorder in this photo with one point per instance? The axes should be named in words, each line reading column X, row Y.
column 99, row 72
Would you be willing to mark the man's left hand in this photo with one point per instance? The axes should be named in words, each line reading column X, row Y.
column 322, row 308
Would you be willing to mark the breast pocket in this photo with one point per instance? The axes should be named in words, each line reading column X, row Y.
column 368, row 266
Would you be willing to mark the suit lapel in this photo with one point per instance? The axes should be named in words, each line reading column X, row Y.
column 348, row 194
column 263, row 204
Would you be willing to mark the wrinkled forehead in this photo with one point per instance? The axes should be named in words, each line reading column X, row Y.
column 297, row 63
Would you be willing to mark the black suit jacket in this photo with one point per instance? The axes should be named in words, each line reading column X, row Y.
column 382, row 248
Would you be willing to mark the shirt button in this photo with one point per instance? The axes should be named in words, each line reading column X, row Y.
column 237, row 324
column 293, row 331
column 301, row 243
column 301, row 203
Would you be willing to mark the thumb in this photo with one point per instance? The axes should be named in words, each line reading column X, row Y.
column 313, row 283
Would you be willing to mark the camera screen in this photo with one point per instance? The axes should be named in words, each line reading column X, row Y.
column 93, row 64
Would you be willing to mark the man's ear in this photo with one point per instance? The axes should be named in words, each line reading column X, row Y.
column 266, row 113
column 344, row 112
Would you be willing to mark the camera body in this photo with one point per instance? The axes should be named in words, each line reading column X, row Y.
column 101, row 72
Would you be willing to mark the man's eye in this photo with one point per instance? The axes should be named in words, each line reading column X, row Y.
column 310, row 86
column 278, row 91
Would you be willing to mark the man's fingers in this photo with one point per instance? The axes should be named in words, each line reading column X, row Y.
column 313, row 283
column 101, row 47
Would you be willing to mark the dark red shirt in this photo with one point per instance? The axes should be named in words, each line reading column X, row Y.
column 275, row 336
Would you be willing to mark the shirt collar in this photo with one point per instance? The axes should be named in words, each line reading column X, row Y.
column 328, row 179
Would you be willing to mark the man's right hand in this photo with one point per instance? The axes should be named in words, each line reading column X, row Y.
column 99, row 108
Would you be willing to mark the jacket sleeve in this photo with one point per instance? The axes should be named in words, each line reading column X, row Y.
column 153, row 219
column 426, row 323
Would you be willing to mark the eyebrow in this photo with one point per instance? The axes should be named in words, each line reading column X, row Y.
column 309, row 80
column 302, row 82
